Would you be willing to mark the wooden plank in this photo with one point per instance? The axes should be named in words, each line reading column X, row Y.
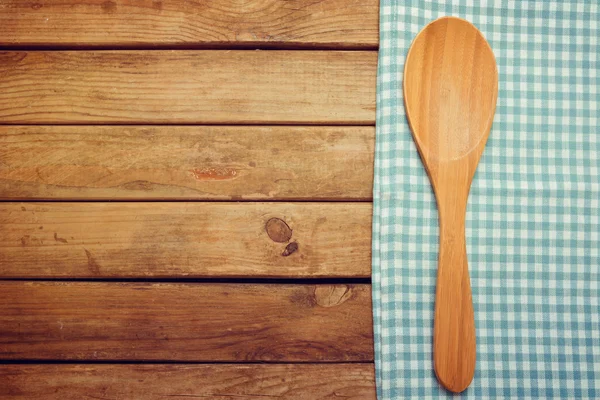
column 185, row 322
column 161, row 381
column 171, row 240
column 184, row 162
column 216, row 87
column 177, row 23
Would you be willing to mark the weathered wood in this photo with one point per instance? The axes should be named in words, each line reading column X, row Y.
column 220, row 87
column 183, row 162
column 170, row 240
column 185, row 322
column 167, row 381
column 177, row 23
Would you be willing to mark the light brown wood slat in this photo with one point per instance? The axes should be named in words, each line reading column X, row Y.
column 184, row 162
column 215, row 87
column 151, row 23
column 185, row 322
column 174, row 240
column 167, row 381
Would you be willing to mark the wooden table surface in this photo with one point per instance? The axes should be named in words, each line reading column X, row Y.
column 186, row 191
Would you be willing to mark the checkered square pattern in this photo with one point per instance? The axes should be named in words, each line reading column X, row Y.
column 532, row 221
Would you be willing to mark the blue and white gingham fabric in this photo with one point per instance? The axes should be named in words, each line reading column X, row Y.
column 532, row 220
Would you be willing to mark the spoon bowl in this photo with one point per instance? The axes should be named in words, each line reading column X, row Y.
column 450, row 92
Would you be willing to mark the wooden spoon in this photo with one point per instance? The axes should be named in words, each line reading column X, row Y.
column 450, row 91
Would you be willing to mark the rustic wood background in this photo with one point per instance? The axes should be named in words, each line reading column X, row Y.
column 186, row 191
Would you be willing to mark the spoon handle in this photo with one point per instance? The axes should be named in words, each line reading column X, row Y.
column 454, row 325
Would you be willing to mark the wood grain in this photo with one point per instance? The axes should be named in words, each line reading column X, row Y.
column 185, row 322
column 170, row 240
column 169, row 87
column 183, row 162
column 450, row 92
column 180, row 23
column 167, row 381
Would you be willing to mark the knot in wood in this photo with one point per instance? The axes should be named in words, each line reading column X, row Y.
column 290, row 249
column 278, row 230
column 332, row 295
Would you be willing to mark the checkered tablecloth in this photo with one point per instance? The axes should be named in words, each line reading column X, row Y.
column 533, row 214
